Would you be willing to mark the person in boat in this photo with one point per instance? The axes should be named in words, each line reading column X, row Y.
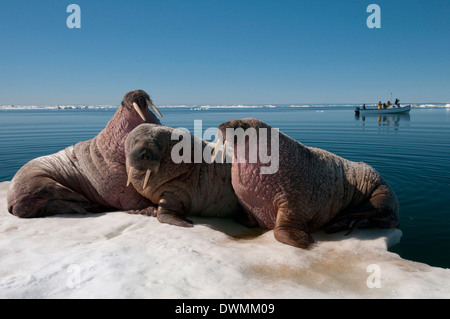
column 379, row 105
column 389, row 103
column 397, row 102
column 384, row 106
column 364, row 107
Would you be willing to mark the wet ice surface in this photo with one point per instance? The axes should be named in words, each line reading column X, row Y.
column 116, row 255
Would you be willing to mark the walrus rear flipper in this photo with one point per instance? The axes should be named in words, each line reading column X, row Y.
column 245, row 218
column 46, row 197
column 39, row 207
column 58, row 206
column 380, row 210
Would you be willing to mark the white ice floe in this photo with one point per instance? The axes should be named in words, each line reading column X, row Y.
column 444, row 105
column 116, row 255
column 236, row 106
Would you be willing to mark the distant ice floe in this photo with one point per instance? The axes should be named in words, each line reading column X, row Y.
column 55, row 107
column 429, row 105
column 73, row 107
column 238, row 106
column 196, row 107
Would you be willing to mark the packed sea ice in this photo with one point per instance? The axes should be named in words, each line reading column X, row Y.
column 117, row 255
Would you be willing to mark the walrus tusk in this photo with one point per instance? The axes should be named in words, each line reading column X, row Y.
column 154, row 108
column 213, row 152
column 130, row 173
column 213, row 156
column 147, row 176
column 224, row 150
column 136, row 107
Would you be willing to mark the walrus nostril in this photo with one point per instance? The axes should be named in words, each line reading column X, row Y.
column 145, row 155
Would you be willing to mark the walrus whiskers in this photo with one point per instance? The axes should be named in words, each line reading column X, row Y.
column 147, row 176
column 154, row 108
column 138, row 110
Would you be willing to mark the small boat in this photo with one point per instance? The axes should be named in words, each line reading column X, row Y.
column 391, row 110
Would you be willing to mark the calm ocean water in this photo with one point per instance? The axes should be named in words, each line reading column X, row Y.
column 412, row 152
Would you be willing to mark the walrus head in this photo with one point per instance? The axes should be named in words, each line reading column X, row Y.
column 138, row 101
column 144, row 148
column 244, row 124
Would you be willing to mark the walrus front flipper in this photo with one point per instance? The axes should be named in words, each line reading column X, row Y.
column 294, row 237
column 170, row 211
column 290, row 232
column 149, row 211
column 174, row 219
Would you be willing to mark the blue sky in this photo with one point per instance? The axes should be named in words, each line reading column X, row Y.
column 224, row 51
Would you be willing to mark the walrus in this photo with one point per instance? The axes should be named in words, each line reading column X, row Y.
column 167, row 172
column 87, row 177
column 312, row 189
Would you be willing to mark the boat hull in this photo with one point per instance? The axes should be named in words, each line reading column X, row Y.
column 397, row 110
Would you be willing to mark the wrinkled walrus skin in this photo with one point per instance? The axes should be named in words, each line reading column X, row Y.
column 87, row 177
column 179, row 189
column 312, row 190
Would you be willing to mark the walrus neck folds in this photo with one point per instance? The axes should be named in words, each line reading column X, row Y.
column 111, row 140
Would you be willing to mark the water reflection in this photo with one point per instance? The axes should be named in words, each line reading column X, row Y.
column 383, row 120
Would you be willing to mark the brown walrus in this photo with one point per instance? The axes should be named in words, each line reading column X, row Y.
column 87, row 177
column 167, row 174
column 312, row 189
